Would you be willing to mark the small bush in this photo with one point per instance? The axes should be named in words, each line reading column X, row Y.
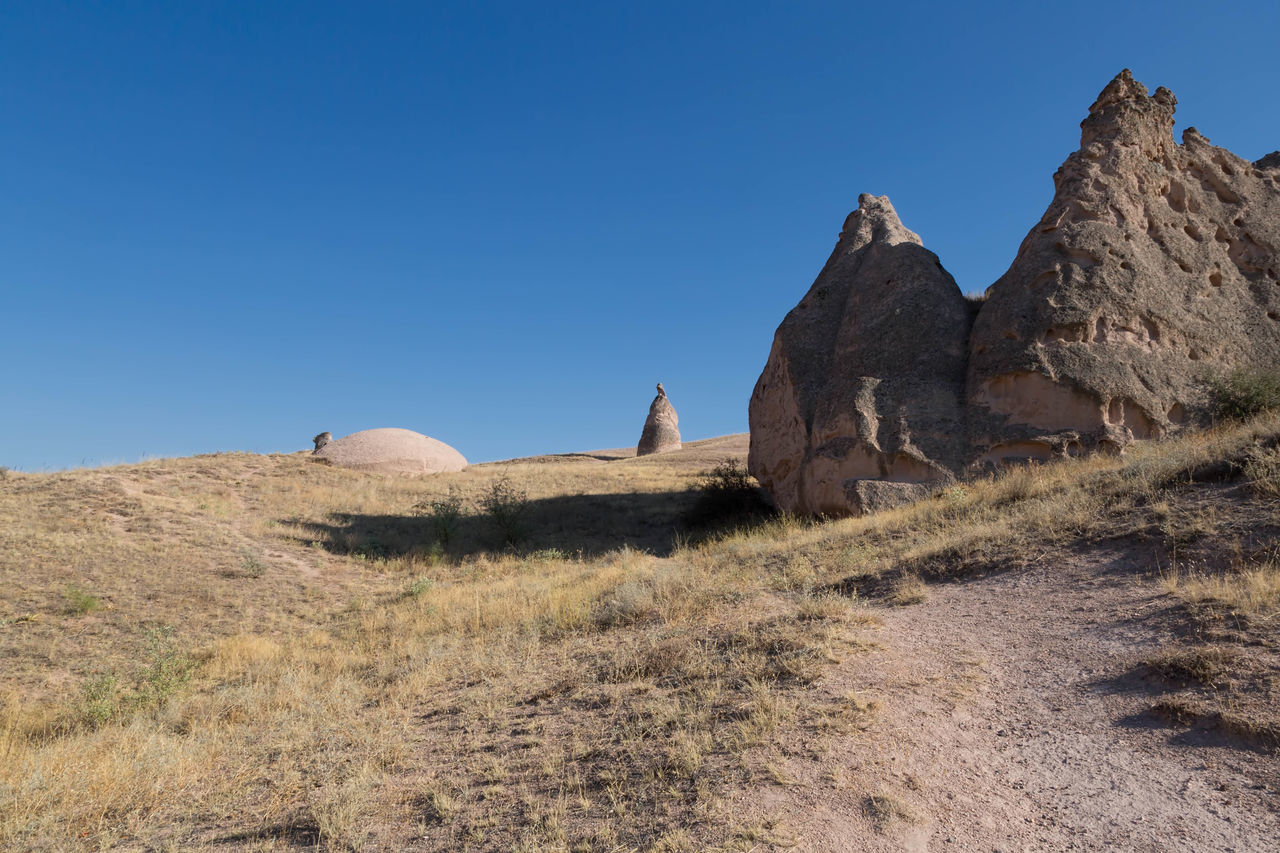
column 443, row 512
column 727, row 496
column 1245, row 393
column 419, row 587
column 100, row 701
column 507, row 506
column 80, row 602
column 166, row 669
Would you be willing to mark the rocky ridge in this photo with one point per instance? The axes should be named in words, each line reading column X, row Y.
column 1154, row 267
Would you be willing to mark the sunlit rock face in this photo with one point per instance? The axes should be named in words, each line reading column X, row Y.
column 1155, row 267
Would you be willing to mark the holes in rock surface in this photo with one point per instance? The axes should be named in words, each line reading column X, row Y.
column 1215, row 278
column 1238, row 222
column 1193, row 354
column 1193, row 232
column 1182, row 266
column 1125, row 265
column 1221, row 235
column 1177, row 414
column 1227, row 170
column 1271, row 315
column 1011, row 335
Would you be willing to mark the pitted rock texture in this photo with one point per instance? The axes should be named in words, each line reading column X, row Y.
column 391, row 451
column 1154, row 267
column 865, row 378
column 661, row 429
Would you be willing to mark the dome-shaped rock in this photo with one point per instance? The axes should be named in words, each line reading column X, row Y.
column 392, row 451
column 661, row 429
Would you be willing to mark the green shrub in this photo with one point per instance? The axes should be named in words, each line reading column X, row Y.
column 80, row 602
column 1245, row 393
column 419, row 587
column 165, row 670
column 99, row 701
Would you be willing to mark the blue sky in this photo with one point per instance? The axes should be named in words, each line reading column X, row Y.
column 229, row 226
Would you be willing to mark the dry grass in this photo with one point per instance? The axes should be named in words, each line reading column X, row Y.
column 339, row 672
column 1252, row 591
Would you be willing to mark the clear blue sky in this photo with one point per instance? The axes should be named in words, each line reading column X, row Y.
column 229, row 226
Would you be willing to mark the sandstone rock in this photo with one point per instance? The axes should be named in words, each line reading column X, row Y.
column 391, row 451
column 1154, row 267
column 661, row 429
column 322, row 439
column 865, row 378
column 868, row 496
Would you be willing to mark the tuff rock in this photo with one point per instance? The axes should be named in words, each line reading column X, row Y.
column 391, row 451
column 661, row 429
column 1154, row 269
column 866, row 377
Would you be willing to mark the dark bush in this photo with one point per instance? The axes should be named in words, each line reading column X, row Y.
column 507, row 506
column 727, row 497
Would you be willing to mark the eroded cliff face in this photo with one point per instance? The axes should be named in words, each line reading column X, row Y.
column 865, row 378
column 1155, row 267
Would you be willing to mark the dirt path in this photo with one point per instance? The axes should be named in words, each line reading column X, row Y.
column 1013, row 717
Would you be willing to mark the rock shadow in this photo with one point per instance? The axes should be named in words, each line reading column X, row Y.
column 585, row 524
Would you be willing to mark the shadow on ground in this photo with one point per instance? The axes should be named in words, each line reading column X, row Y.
column 572, row 524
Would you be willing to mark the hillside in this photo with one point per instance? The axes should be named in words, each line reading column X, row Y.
column 266, row 653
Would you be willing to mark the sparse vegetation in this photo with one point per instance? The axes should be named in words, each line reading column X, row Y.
column 1245, row 393
column 80, row 602
column 615, row 685
column 727, row 497
column 507, row 506
column 444, row 513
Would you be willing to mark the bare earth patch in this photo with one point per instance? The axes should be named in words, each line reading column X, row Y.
column 1015, row 717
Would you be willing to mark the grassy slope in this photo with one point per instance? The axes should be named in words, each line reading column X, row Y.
column 254, row 652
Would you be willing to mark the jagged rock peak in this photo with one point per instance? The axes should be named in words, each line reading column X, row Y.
column 875, row 221
column 1125, row 114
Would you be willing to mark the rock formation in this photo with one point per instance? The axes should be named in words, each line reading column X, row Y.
column 661, row 429
column 321, row 440
column 866, row 377
column 391, row 451
column 1155, row 267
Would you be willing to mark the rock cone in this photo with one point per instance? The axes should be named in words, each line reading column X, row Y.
column 1154, row 267
column 866, row 376
column 661, row 429
column 392, row 451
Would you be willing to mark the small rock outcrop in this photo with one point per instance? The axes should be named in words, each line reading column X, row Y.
column 661, row 429
column 321, row 440
column 391, row 451
column 1155, row 268
column 865, row 380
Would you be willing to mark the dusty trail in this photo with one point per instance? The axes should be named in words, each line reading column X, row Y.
column 1013, row 716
